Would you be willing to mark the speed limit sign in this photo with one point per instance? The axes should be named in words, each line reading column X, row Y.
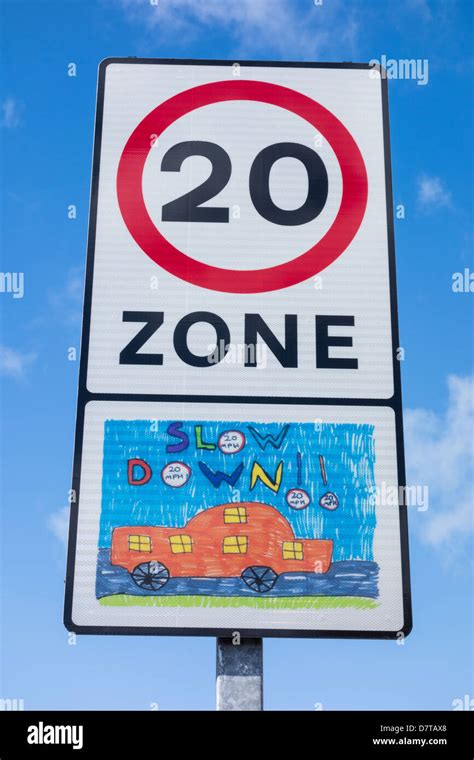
column 237, row 205
column 189, row 207
column 239, row 347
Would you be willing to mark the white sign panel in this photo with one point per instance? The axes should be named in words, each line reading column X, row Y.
column 244, row 207
column 239, row 419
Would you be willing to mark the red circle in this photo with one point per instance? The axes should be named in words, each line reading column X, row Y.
column 316, row 258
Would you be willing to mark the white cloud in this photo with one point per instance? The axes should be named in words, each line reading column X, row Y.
column 440, row 454
column 58, row 523
column 432, row 192
column 74, row 284
column 283, row 26
column 68, row 299
column 11, row 113
column 14, row 363
column 422, row 7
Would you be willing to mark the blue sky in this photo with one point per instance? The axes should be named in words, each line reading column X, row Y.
column 46, row 139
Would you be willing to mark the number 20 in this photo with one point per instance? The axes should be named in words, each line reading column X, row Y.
column 188, row 208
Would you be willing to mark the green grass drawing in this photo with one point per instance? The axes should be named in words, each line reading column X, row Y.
column 263, row 603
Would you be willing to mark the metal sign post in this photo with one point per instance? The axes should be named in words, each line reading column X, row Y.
column 239, row 674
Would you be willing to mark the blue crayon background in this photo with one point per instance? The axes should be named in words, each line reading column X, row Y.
column 349, row 456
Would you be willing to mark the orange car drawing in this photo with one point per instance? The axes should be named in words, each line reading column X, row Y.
column 246, row 539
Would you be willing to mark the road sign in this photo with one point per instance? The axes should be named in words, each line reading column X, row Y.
column 239, row 438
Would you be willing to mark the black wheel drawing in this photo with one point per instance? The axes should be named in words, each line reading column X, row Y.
column 259, row 579
column 150, row 575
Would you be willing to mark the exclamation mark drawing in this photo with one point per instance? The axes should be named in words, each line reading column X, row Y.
column 298, row 498
column 329, row 500
column 322, row 467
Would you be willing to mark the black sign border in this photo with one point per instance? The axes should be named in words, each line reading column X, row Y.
column 84, row 395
